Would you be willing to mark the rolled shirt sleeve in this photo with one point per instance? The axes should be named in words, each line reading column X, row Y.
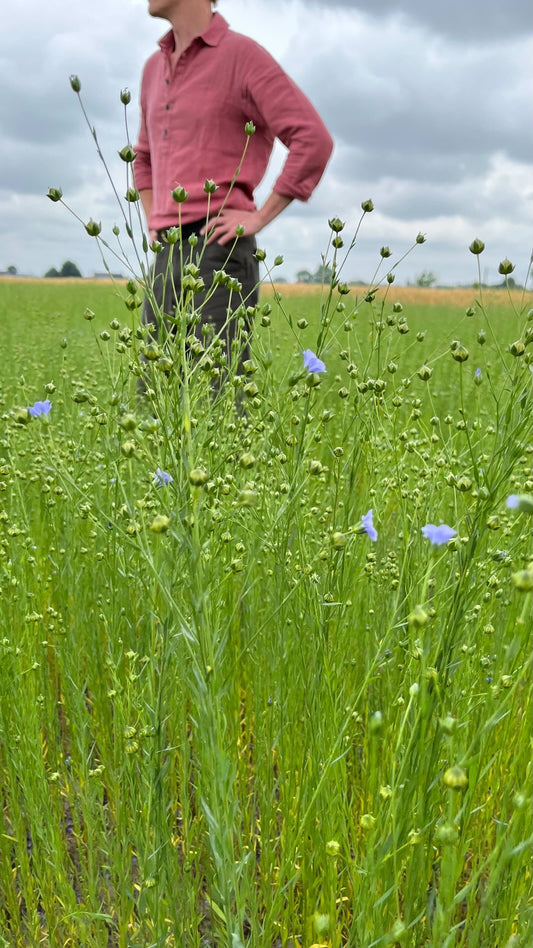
column 289, row 115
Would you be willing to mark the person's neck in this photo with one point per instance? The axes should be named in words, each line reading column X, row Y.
column 189, row 23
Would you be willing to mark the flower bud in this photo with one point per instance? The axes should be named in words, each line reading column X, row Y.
column 55, row 194
column 332, row 848
column 523, row 580
column 448, row 724
column 239, row 230
column 260, row 255
column 249, row 128
column 128, row 449
column 127, row 153
column 338, row 540
column 517, row 348
column 75, row 84
column 132, row 195
column 21, row 416
column 460, row 353
column 421, row 238
column 88, row 314
column 160, row 524
column 278, row 261
column 198, row 477
column 128, row 422
column 418, row 617
column 477, row 246
column 385, row 252
column 173, row 235
column 506, row 267
column 336, row 224
column 455, row 778
column 425, row 373
column 367, row 821
column 367, row 206
column 390, row 278
column 209, row 186
column 93, row 228
column 446, row 834
column 179, row 195
column 125, row 96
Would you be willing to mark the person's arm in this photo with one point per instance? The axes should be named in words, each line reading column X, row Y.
column 222, row 230
column 277, row 103
column 147, row 199
column 142, row 169
column 274, row 101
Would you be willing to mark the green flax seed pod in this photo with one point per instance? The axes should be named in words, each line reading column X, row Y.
column 198, row 477
column 477, row 246
column 455, row 778
column 460, row 353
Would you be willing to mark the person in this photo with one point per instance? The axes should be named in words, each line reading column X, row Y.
column 199, row 93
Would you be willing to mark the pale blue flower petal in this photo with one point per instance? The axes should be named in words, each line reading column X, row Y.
column 312, row 362
column 368, row 526
column 438, row 534
column 40, row 408
column 162, row 478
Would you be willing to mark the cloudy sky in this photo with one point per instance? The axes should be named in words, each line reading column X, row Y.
column 429, row 104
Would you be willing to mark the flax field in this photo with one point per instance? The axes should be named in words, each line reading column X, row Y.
column 266, row 624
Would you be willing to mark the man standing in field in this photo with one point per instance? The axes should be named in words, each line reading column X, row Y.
column 198, row 94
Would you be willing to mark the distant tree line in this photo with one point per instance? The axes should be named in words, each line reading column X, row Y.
column 322, row 274
column 69, row 269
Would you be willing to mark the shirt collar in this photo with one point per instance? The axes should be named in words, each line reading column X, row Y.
column 210, row 37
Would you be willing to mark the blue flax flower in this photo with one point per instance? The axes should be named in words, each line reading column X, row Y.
column 520, row 502
column 40, row 408
column 161, row 478
column 438, row 535
column 369, row 527
column 312, row 363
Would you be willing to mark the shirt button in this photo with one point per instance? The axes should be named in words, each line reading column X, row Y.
column 167, row 106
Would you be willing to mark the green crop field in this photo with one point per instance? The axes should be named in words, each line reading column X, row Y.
column 265, row 649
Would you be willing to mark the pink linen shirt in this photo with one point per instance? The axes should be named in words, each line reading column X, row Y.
column 193, row 126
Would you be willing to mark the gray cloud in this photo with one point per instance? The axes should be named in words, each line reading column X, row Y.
column 465, row 20
column 429, row 105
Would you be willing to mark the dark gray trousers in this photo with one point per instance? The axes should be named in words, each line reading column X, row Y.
column 167, row 281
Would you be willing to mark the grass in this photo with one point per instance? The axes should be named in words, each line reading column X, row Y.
column 228, row 717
